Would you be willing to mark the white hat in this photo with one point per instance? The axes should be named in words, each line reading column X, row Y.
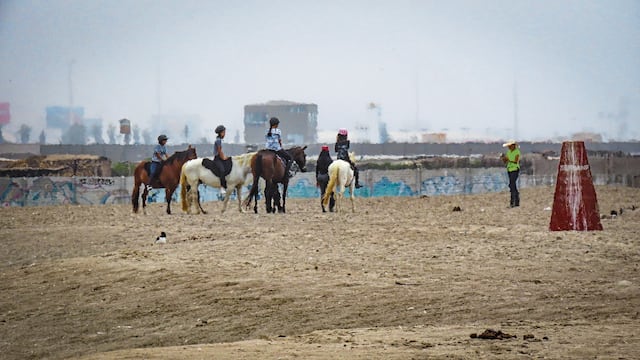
column 509, row 143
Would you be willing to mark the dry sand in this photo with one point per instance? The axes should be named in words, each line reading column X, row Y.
column 402, row 278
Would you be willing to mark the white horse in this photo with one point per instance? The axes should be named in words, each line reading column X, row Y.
column 340, row 177
column 193, row 172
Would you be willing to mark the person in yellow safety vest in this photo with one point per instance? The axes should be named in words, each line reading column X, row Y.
column 512, row 161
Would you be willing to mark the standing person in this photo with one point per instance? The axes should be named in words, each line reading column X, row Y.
column 274, row 142
column 159, row 155
column 218, row 155
column 342, row 150
column 512, row 161
column 322, row 175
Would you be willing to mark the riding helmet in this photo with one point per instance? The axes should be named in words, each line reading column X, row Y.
column 274, row 121
column 343, row 132
column 325, row 148
column 162, row 137
column 220, row 129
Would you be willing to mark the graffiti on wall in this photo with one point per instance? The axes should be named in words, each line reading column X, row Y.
column 44, row 191
column 117, row 190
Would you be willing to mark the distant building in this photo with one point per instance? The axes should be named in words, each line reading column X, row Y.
column 434, row 138
column 298, row 122
column 62, row 117
column 587, row 137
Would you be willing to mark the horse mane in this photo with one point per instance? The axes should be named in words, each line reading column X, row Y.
column 244, row 159
column 179, row 155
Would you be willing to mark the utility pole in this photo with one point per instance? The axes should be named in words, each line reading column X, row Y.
column 71, row 92
column 515, row 110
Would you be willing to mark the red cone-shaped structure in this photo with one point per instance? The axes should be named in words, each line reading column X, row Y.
column 575, row 206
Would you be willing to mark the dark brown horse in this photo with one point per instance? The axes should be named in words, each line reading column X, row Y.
column 168, row 179
column 265, row 164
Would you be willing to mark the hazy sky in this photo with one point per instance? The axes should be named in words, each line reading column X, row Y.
column 431, row 65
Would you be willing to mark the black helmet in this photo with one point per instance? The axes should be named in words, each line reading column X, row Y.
column 274, row 121
column 220, row 129
column 162, row 137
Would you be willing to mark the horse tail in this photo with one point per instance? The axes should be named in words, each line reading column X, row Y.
column 183, row 188
column 333, row 176
column 257, row 171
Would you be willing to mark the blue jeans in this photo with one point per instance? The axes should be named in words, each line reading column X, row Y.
column 154, row 170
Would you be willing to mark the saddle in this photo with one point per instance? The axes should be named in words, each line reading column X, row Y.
column 211, row 165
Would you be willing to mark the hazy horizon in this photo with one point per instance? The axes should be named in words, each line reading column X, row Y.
column 469, row 68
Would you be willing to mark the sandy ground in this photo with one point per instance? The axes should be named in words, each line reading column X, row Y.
column 402, row 278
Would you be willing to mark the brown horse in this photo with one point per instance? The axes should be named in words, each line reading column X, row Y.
column 169, row 177
column 271, row 168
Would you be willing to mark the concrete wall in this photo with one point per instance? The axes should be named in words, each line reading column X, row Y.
column 135, row 153
column 411, row 182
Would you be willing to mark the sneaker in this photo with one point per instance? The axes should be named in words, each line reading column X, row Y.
column 358, row 186
column 149, row 187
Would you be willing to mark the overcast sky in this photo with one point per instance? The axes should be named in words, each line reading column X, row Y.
column 430, row 65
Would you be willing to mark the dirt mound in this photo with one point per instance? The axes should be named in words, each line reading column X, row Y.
column 58, row 165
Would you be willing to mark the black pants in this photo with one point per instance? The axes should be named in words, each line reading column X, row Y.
column 513, row 188
column 287, row 158
column 220, row 164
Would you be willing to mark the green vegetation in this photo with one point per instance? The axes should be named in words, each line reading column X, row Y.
column 123, row 169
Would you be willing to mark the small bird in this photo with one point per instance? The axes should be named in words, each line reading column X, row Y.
column 162, row 239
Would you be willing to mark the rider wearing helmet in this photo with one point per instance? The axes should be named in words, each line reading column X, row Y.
column 218, row 154
column 274, row 142
column 159, row 155
column 342, row 150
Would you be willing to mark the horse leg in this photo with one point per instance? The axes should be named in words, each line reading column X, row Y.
column 255, row 199
column 285, row 186
column 227, row 195
column 134, row 198
column 268, row 197
column 197, row 195
column 168, row 193
column 239, row 194
column 352, row 197
column 145, row 193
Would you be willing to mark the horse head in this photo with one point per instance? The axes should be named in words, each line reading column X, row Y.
column 299, row 157
column 191, row 153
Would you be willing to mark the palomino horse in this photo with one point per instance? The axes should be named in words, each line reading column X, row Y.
column 193, row 173
column 267, row 165
column 340, row 177
column 169, row 177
